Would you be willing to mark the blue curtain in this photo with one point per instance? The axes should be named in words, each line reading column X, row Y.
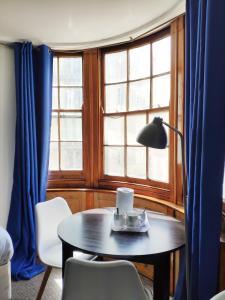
column 33, row 74
column 205, row 140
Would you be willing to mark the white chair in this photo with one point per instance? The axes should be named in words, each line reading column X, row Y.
column 91, row 280
column 220, row 296
column 48, row 216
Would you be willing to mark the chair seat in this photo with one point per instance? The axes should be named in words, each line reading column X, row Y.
column 53, row 256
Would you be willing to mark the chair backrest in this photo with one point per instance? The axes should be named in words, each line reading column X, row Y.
column 91, row 280
column 220, row 296
column 48, row 216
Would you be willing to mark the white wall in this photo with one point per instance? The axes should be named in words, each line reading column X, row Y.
column 7, row 129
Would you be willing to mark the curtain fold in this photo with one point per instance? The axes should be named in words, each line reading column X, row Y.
column 43, row 60
column 33, row 73
column 205, row 141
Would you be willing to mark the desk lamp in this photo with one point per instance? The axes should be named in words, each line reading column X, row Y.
column 154, row 135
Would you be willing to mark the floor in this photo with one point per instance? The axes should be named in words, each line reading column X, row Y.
column 27, row 290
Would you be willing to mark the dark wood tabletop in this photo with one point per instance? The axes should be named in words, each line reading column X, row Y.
column 90, row 232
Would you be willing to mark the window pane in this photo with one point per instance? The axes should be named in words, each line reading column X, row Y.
column 114, row 130
column 158, row 164
column 54, row 156
column 115, row 97
column 114, row 161
column 70, row 126
column 71, row 98
column 139, row 62
column 55, row 71
column 139, row 95
column 165, row 116
column 161, row 53
column 161, row 91
column 71, row 156
column 134, row 125
column 70, row 71
column 161, row 114
column 54, row 127
column 55, row 98
column 116, row 67
column 136, row 162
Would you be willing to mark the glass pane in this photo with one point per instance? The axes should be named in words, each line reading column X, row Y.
column 136, row 162
column 70, row 126
column 139, row 62
column 55, row 72
column 161, row 91
column 161, row 114
column 116, row 67
column 71, row 98
column 54, row 156
column 115, row 97
column 158, row 164
column 114, row 161
column 55, row 98
column 165, row 116
column 134, row 125
column 71, row 156
column 161, row 54
column 54, row 127
column 114, row 130
column 70, row 71
column 139, row 95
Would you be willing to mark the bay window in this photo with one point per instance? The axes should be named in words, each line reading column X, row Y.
column 102, row 98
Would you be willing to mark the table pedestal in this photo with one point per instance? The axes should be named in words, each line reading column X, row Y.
column 161, row 284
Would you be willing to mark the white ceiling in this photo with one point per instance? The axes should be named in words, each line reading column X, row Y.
column 82, row 23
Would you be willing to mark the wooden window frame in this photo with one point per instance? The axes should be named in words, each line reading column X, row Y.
column 142, row 186
column 68, row 178
column 92, row 175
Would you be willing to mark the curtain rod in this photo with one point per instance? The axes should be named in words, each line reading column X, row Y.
column 129, row 40
column 154, row 29
column 4, row 43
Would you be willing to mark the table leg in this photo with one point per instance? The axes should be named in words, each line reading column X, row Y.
column 161, row 285
column 67, row 252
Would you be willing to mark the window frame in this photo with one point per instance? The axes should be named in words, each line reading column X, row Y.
column 66, row 178
column 146, row 186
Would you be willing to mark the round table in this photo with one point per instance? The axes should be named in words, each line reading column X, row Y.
column 90, row 232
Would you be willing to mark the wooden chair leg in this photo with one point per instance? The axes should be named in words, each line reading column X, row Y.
column 44, row 282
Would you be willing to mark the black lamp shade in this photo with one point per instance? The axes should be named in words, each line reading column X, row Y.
column 153, row 135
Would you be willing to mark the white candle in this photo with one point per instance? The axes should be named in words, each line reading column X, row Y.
column 125, row 199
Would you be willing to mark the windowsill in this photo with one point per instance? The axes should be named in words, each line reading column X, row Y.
column 166, row 203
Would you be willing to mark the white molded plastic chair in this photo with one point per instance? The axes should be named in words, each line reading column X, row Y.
column 220, row 296
column 91, row 280
column 48, row 216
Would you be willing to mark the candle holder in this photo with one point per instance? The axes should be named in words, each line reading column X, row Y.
column 133, row 221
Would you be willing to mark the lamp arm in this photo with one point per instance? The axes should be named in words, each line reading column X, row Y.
column 182, row 159
column 187, row 255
